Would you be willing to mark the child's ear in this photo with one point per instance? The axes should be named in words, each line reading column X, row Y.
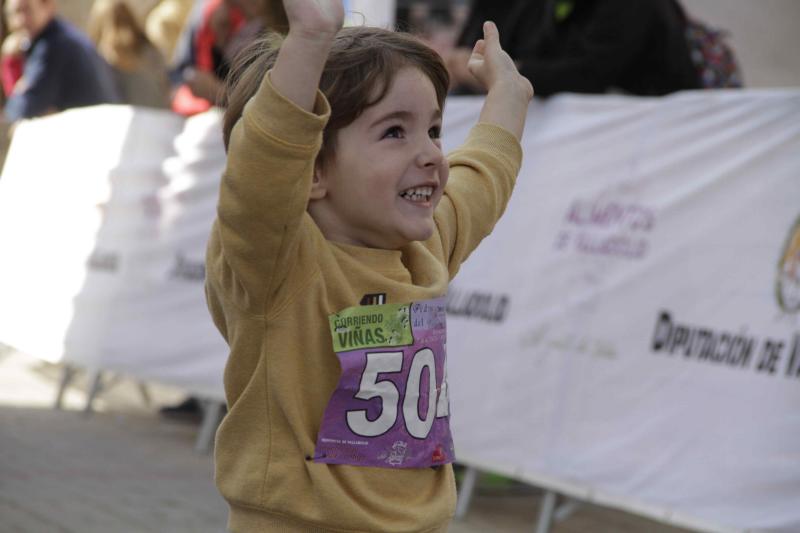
column 318, row 183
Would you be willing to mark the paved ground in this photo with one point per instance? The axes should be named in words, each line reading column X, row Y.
column 123, row 469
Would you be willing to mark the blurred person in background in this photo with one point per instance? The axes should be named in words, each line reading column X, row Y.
column 433, row 21
column 586, row 46
column 224, row 28
column 259, row 16
column 12, row 55
column 164, row 25
column 200, row 69
column 62, row 68
column 417, row 16
column 139, row 67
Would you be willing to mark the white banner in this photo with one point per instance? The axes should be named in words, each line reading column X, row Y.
column 104, row 217
column 632, row 325
column 630, row 332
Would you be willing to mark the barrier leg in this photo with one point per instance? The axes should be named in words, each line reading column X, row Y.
column 566, row 509
column 466, row 491
column 212, row 412
column 546, row 512
column 95, row 385
column 145, row 393
column 67, row 373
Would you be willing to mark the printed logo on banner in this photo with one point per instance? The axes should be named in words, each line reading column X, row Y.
column 607, row 228
column 735, row 350
column 478, row 305
column 741, row 350
column 103, row 261
column 187, row 269
column 787, row 286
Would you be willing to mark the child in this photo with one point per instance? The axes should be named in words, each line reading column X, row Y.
column 327, row 266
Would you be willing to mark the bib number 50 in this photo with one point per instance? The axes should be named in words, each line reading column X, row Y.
column 371, row 387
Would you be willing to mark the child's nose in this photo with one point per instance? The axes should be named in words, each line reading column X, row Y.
column 430, row 153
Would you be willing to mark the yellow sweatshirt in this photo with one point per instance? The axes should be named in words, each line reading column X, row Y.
column 273, row 280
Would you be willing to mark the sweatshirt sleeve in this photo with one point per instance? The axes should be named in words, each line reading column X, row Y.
column 482, row 175
column 263, row 197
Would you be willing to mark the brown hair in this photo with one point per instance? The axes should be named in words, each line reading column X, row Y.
column 117, row 33
column 359, row 72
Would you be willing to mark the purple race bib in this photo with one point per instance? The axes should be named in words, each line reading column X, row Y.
column 390, row 408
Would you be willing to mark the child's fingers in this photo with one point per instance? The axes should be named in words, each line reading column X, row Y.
column 476, row 59
column 491, row 34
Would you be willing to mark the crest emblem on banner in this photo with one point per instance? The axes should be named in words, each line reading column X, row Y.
column 787, row 286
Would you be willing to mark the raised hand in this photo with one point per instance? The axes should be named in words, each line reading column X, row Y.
column 313, row 24
column 490, row 64
column 507, row 91
column 314, row 18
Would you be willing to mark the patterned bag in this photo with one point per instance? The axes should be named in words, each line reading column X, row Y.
column 713, row 58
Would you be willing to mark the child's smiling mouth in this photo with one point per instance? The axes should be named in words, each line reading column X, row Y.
column 420, row 195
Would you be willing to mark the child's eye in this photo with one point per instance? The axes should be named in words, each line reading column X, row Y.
column 435, row 132
column 395, row 132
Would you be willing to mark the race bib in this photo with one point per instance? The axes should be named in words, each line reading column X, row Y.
column 390, row 408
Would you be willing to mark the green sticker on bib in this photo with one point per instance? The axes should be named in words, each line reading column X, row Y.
column 372, row 326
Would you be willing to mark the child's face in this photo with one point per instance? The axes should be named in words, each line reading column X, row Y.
column 387, row 172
